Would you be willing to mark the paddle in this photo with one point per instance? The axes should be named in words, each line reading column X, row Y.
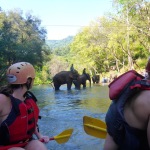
column 94, row 127
column 61, row 138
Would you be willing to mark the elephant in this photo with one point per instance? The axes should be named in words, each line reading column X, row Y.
column 65, row 77
column 96, row 79
column 81, row 80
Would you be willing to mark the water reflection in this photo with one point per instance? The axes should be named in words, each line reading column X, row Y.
column 65, row 109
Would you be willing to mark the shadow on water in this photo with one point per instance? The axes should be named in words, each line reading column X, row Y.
column 65, row 109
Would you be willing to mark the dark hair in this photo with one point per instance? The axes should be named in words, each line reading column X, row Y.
column 6, row 89
column 15, row 86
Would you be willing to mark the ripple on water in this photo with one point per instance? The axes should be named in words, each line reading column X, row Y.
column 65, row 109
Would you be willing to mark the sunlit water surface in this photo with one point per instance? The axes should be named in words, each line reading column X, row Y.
column 65, row 109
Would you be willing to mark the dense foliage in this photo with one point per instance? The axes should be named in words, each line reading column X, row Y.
column 21, row 39
column 116, row 42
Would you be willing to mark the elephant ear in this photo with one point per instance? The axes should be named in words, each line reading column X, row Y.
column 75, row 71
column 87, row 75
column 74, row 74
column 71, row 75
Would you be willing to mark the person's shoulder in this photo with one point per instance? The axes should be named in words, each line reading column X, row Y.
column 144, row 98
column 3, row 98
column 145, row 94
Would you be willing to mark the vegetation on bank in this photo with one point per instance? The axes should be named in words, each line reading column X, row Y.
column 116, row 42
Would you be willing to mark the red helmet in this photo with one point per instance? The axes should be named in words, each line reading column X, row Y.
column 18, row 73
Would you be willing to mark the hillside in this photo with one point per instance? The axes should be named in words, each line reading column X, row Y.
column 53, row 44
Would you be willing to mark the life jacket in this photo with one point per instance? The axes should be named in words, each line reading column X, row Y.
column 126, row 85
column 120, row 91
column 118, row 85
column 20, row 124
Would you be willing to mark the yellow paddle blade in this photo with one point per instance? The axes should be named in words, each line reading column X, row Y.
column 64, row 136
column 94, row 127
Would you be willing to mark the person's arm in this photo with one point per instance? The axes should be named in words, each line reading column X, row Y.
column 3, row 104
column 109, row 143
column 146, row 111
column 148, row 132
column 40, row 136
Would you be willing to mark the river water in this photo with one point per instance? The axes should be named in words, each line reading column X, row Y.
column 64, row 109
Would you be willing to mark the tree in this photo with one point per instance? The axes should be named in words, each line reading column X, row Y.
column 22, row 39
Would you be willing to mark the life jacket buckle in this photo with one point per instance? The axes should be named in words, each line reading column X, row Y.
column 30, row 110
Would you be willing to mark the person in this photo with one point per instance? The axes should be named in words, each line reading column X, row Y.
column 19, row 112
column 84, row 71
column 128, row 126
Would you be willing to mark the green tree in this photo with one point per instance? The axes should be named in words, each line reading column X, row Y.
column 22, row 39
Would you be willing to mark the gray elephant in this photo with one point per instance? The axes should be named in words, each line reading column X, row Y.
column 82, row 80
column 96, row 79
column 65, row 77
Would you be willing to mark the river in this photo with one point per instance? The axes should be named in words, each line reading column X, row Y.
column 64, row 109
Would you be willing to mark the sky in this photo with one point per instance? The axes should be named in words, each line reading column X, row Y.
column 61, row 18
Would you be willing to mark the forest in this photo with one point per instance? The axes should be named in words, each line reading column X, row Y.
column 117, row 42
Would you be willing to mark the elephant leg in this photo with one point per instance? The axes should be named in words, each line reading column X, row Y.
column 69, row 86
column 94, row 80
column 78, row 87
column 84, row 85
column 75, row 84
column 57, row 86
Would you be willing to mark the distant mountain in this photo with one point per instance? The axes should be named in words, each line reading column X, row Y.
column 53, row 44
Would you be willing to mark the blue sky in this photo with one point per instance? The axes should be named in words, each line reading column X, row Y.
column 61, row 18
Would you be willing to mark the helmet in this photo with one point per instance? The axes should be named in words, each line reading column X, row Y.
column 18, row 73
